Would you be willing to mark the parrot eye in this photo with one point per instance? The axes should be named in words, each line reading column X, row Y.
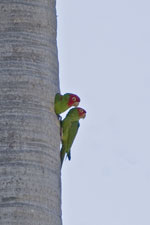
column 74, row 99
column 81, row 110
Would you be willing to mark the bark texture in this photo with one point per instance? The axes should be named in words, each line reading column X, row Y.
column 29, row 130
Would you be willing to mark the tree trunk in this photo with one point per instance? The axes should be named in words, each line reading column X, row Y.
column 29, row 130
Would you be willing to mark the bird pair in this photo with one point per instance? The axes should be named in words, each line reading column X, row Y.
column 69, row 125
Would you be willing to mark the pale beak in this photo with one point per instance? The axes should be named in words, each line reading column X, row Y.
column 76, row 104
column 84, row 115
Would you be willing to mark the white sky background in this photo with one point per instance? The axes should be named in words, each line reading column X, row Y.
column 104, row 55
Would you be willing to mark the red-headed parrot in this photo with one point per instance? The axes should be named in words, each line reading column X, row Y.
column 64, row 102
column 70, row 126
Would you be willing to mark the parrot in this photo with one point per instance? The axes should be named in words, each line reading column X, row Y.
column 64, row 102
column 70, row 126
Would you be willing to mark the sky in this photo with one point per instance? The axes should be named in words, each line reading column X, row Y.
column 104, row 57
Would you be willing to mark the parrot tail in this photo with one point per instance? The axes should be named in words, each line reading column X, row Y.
column 69, row 155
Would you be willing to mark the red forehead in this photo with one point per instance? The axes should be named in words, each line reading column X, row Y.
column 81, row 111
column 77, row 98
column 71, row 101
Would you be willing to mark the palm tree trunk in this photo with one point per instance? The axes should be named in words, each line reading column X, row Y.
column 30, row 187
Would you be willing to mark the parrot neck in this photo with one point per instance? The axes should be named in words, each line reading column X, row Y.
column 73, row 118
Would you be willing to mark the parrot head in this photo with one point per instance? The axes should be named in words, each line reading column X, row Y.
column 73, row 100
column 81, row 112
column 76, row 114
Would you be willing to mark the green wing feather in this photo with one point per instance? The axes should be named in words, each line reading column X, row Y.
column 58, row 98
column 61, row 103
column 72, row 134
column 70, row 126
column 65, row 127
column 68, row 137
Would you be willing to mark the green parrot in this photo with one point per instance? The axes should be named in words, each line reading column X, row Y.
column 64, row 102
column 70, row 126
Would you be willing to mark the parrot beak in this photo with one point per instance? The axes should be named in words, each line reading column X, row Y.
column 84, row 115
column 76, row 104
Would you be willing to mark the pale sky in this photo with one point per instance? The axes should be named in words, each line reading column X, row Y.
column 104, row 56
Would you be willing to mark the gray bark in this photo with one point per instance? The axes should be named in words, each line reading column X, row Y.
column 30, row 187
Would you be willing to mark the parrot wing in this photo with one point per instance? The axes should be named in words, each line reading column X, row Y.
column 65, row 129
column 72, row 134
column 57, row 102
column 61, row 103
column 58, row 97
